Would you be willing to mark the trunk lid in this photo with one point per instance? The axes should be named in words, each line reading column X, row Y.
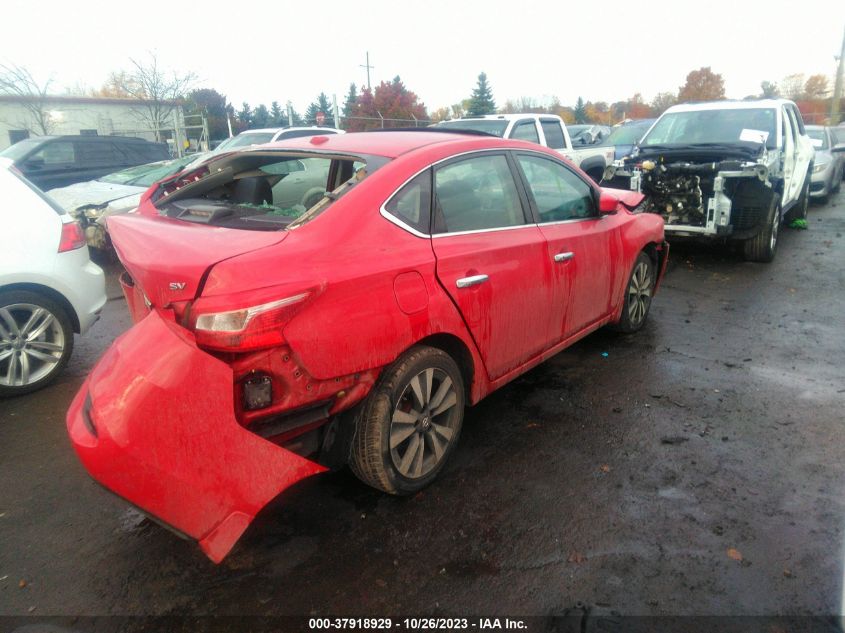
column 168, row 258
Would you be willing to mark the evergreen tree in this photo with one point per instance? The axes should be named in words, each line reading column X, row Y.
column 277, row 115
column 580, row 111
column 245, row 115
column 261, row 116
column 320, row 105
column 481, row 101
column 350, row 103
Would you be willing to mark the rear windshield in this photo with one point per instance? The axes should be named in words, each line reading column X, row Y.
column 714, row 127
column 21, row 149
column 496, row 127
column 627, row 134
column 245, row 140
column 264, row 190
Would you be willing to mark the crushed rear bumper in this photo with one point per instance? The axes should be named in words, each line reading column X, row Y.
column 154, row 423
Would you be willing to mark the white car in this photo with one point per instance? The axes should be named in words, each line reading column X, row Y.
column 270, row 135
column 49, row 288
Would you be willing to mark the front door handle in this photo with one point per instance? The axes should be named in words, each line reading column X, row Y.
column 466, row 282
column 563, row 257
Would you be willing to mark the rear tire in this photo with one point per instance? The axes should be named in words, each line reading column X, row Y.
column 802, row 207
column 410, row 423
column 638, row 294
column 763, row 246
column 36, row 341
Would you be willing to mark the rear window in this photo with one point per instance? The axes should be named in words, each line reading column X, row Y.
column 50, row 202
column 245, row 140
column 21, row 149
column 496, row 127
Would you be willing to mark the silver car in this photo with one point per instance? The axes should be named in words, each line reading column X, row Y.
column 829, row 163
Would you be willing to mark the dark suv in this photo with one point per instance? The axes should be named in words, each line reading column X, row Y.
column 58, row 161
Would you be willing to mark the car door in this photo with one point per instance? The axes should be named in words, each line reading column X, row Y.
column 788, row 158
column 492, row 259
column 581, row 244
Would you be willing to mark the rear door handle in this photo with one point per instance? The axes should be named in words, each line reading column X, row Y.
column 466, row 282
column 562, row 257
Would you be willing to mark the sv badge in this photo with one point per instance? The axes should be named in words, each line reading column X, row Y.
column 177, row 285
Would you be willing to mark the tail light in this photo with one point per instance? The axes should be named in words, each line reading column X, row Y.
column 248, row 328
column 73, row 237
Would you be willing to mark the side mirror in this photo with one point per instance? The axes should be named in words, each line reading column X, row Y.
column 608, row 203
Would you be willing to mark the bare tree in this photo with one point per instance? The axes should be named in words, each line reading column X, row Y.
column 158, row 90
column 19, row 82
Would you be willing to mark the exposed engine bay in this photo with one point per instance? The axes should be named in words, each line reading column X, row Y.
column 698, row 194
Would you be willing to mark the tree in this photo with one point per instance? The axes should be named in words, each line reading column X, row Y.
column 19, row 82
column 816, row 87
column 792, row 86
column 393, row 101
column 350, row 103
column 277, row 115
column 481, row 101
column 320, row 105
column 441, row 114
column 769, row 89
column 261, row 116
column 663, row 101
column 580, row 111
column 214, row 105
column 159, row 91
column 702, row 85
column 245, row 115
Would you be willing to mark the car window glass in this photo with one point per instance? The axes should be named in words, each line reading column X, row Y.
column 526, row 131
column 553, row 134
column 298, row 184
column 799, row 120
column 475, row 194
column 412, row 203
column 558, row 193
column 55, row 153
column 97, row 153
column 793, row 126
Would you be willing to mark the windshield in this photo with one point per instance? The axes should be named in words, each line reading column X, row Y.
column 21, row 149
column 496, row 127
column 145, row 175
column 245, row 139
column 627, row 134
column 818, row 137
column 727, row 126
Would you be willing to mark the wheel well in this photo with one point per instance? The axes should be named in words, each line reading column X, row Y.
column 650, row 249
column 456, row 348
column 52, row 294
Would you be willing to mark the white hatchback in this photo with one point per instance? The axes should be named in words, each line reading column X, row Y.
column 49, row 288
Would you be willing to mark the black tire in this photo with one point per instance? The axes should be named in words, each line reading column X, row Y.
column 27, row 365
column 638, row 294
column 390, row 411
column 763, row 246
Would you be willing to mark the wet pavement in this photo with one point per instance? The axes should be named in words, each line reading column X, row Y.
column 693, row 468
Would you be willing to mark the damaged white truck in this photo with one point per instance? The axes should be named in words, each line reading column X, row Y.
column 723, row 170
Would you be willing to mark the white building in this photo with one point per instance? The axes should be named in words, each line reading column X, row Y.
column 75, row 115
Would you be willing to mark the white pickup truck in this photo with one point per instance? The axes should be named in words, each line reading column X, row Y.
column 544, row 129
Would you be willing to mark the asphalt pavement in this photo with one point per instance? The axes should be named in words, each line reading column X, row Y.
column 693, row 468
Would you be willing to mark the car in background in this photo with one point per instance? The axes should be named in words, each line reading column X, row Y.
column 93, row 201
column 829, row 163
column 57, row 161
column 270, row 344
column 544, row 129
column 588, row 134
column 271, row 134
column 625, row 136
column 49, row 288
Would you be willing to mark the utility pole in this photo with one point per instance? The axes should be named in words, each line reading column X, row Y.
column 837, row 90
column 368, row 67
column 290, row 114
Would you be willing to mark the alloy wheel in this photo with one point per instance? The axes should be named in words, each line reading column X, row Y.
column 31, row 344
column 423, row 423
column 639, row 293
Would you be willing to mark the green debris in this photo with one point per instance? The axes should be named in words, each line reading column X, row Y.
column 798, row 224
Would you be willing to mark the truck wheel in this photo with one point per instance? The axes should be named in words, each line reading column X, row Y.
column 638, row 293
column 762, row 247
column 410, row 423
column 36, row 340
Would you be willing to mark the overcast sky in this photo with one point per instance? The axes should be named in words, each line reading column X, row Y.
column 261, row 51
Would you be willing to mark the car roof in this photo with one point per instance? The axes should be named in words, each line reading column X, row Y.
column 729, row 105
column 265, row 130
column 506, row 117
column 387, row 143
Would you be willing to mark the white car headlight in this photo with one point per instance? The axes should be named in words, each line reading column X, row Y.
column 820, row 167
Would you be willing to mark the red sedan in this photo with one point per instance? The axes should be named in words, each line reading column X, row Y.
column 272, row 342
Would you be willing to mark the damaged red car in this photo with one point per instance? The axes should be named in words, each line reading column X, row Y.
column 272, row 342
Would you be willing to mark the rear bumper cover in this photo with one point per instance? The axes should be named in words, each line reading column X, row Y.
column 155, row 424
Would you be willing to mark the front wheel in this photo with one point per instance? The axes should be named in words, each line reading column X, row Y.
column 762, row 247
column 410, row 423
column 638, row 294
column 36, row 340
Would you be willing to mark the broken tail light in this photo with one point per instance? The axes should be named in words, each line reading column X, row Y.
column 253, row 327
